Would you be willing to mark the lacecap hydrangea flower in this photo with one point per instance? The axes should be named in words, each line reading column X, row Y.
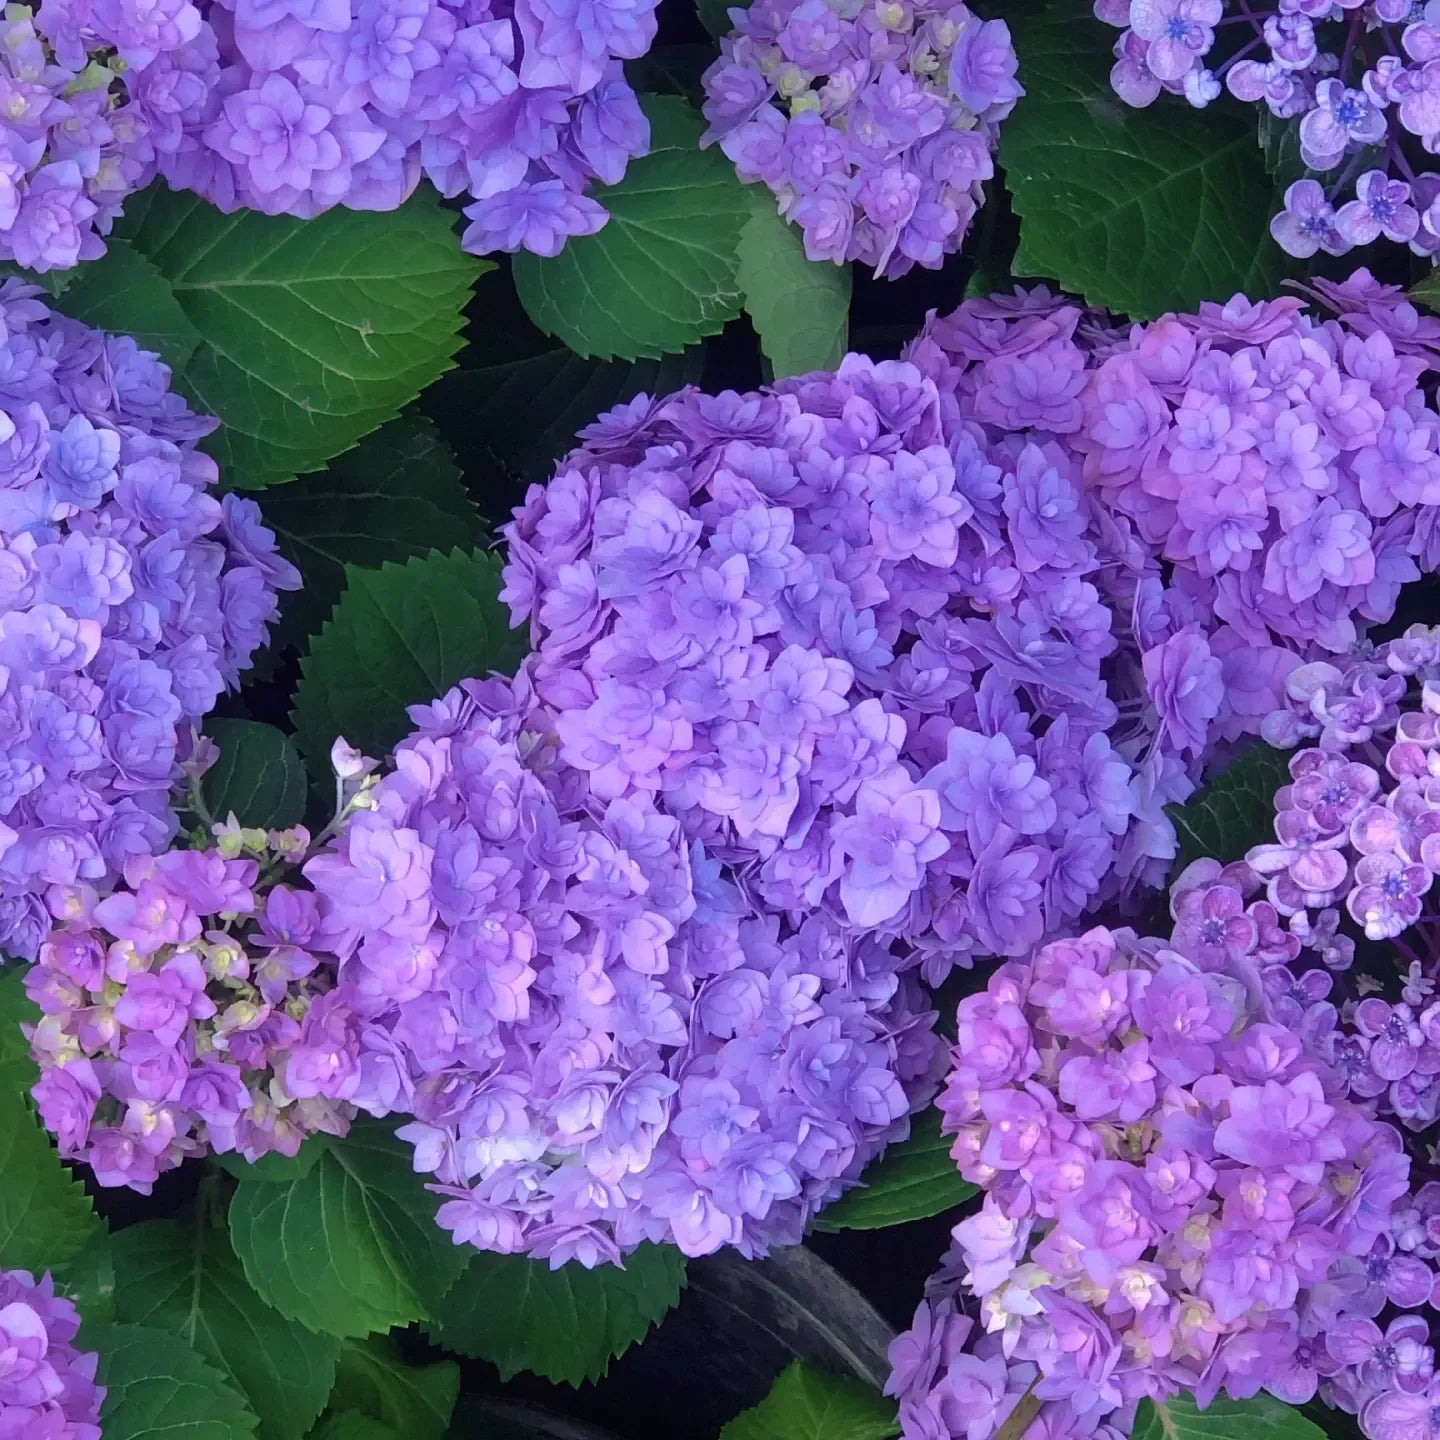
column 874, row 124
column 47, row 1386
column 1355, row 83
column 295, row 106
column 1176, row 1181
column 597, row 1039
column 191, row 1010
column 130, row 598
column 1353, row 866
column 929, row 646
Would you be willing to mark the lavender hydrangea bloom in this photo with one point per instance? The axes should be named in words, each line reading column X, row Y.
column 1152, row 1143
column 47, row 1386
column 1290, row 497
column 596, row 1038
column 295, row 106
column 76, row 139
column 875, row 129
column 121, row 576
column 1356, row 85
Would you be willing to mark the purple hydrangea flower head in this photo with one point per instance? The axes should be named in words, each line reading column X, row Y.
column 926, row 645
column 295, row 106
column 596, row 1037
column 131, row 598
column 193, row 1009
column 874, row 129
column 1146, row 1170
column 1286, row 495
column 47, row 1385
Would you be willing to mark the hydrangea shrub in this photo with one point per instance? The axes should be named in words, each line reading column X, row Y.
column 905, row 674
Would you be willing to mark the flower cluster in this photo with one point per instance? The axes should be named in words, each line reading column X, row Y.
column 1173, row 1175
column 875, row 125
column 294, row 106
column 192, row 1009
column 1285, row 469
column 47, row 1387
column 597, row 1040
column 130, row 596
column 1359, row 824
column 1356, row 82
column 875, row 665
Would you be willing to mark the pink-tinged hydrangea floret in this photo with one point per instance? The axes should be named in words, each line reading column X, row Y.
column 875, row 126
column 131, row 597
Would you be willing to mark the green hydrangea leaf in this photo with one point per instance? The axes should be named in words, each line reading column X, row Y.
column 413, row 1400
column 89, row 1279
column 352, row 1248
column 187, row 1282
column 806, row 1403
column 47, row 1221
column 53, row 282
column 1232, row 811
column 352, row 1425
column 400, row 635
column 1263, row 1418
column 661, row 274
column 1138, row 211
column 259, row 776
column 567, row 1324
column 715, row 16
column 910, row 1181
column 1427, row 291
column 311, row 333
column 157, row 1386
column 672, row 70
column 16, row 1008
column 800, row 308
column 124, row 293
column 399, row 494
